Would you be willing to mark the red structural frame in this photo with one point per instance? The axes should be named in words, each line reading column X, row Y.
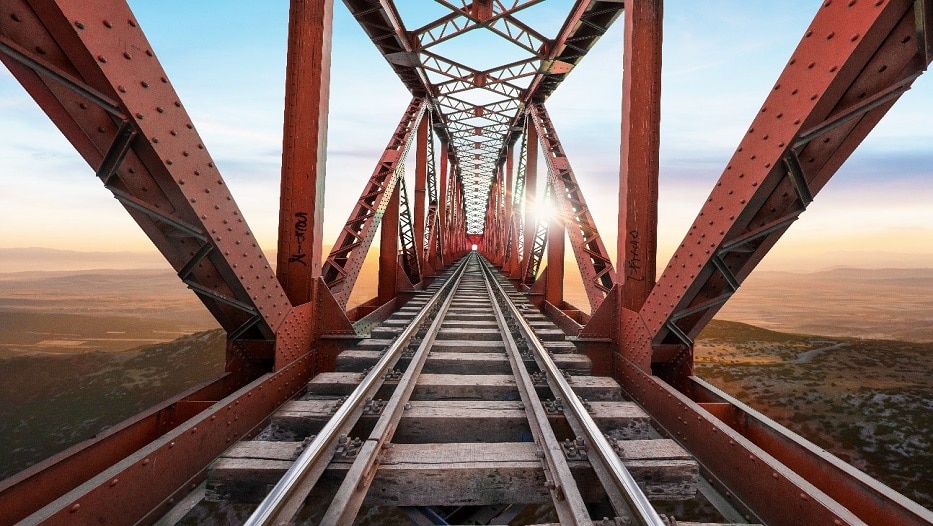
column 89, row 66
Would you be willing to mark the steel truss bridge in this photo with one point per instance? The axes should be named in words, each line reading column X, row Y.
column 292, row 340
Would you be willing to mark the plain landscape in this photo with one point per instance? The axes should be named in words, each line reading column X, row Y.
column 844, row 357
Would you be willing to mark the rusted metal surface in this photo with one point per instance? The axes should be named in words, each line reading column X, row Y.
column 421, row 185
column 115, row 104
column 588, row 248
column 531, row 195
column 343, row 265
column 409, row 250
column 304, row 148
column 641, row 142
column 850, row 67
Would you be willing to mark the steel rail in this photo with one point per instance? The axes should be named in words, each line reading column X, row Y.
column 569, row 504
column 619, row 476
column 288, row 495
column 349, row 497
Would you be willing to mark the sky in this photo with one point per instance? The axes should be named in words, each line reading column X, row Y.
column 226, row 59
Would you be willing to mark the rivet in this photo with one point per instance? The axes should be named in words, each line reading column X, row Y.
column 75, row 507
column 146, row 462
column 132, row 23
column 830, row 35
column 107, row 24
column 144, row 84
column 121, row 89
column 155, row 139
column 114, row 482
column 139, row 115
column 78, row 25
column 160, row 109
column 127, row 56
column 149, row 52
column 102, row 59
column 101, row 129
column 173, row 133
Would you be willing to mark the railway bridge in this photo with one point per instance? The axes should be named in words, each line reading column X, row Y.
column 468, row 390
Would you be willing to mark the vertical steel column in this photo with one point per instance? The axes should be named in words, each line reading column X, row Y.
column 508, row 224
column 554, row 272
column 388, row 250
column 531, row 190
column 641, row 138
column 421, row 178
column 304, row 147
column 442, row 205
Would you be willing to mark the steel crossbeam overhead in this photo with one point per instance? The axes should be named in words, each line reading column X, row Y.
column 588, row 248
column 480, row 108
column 343, row 265
column 91, row 69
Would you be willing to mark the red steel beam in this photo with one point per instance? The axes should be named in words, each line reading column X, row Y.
column 783, row 478
column 91, row 69
column 304, row 147
column 388, row 251
column 531, row 195
column 592, row 258
column 641, row 140
column 421, row 183
column 442, row 206
column 554, row 271
column 852, row 64
column 343, row 265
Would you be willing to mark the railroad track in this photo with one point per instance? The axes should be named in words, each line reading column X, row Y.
column 465, row 406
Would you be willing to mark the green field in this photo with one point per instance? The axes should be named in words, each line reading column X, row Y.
column 869, row 402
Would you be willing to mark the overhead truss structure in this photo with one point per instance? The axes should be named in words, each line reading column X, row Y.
column 481, row 107
column 89, row 66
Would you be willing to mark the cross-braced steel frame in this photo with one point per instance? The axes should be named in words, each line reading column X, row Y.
column 89, row 66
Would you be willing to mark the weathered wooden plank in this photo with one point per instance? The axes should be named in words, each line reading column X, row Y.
column 462, row 421
column 467, row 387
column 549, row 334
column 467, row 346
column 469, row 334
column 457, row 474
column 449, row 362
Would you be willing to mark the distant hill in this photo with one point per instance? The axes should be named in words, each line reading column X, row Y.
column 886, row 304
column 49, row 403
column 44, row 259
column 866, row 401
